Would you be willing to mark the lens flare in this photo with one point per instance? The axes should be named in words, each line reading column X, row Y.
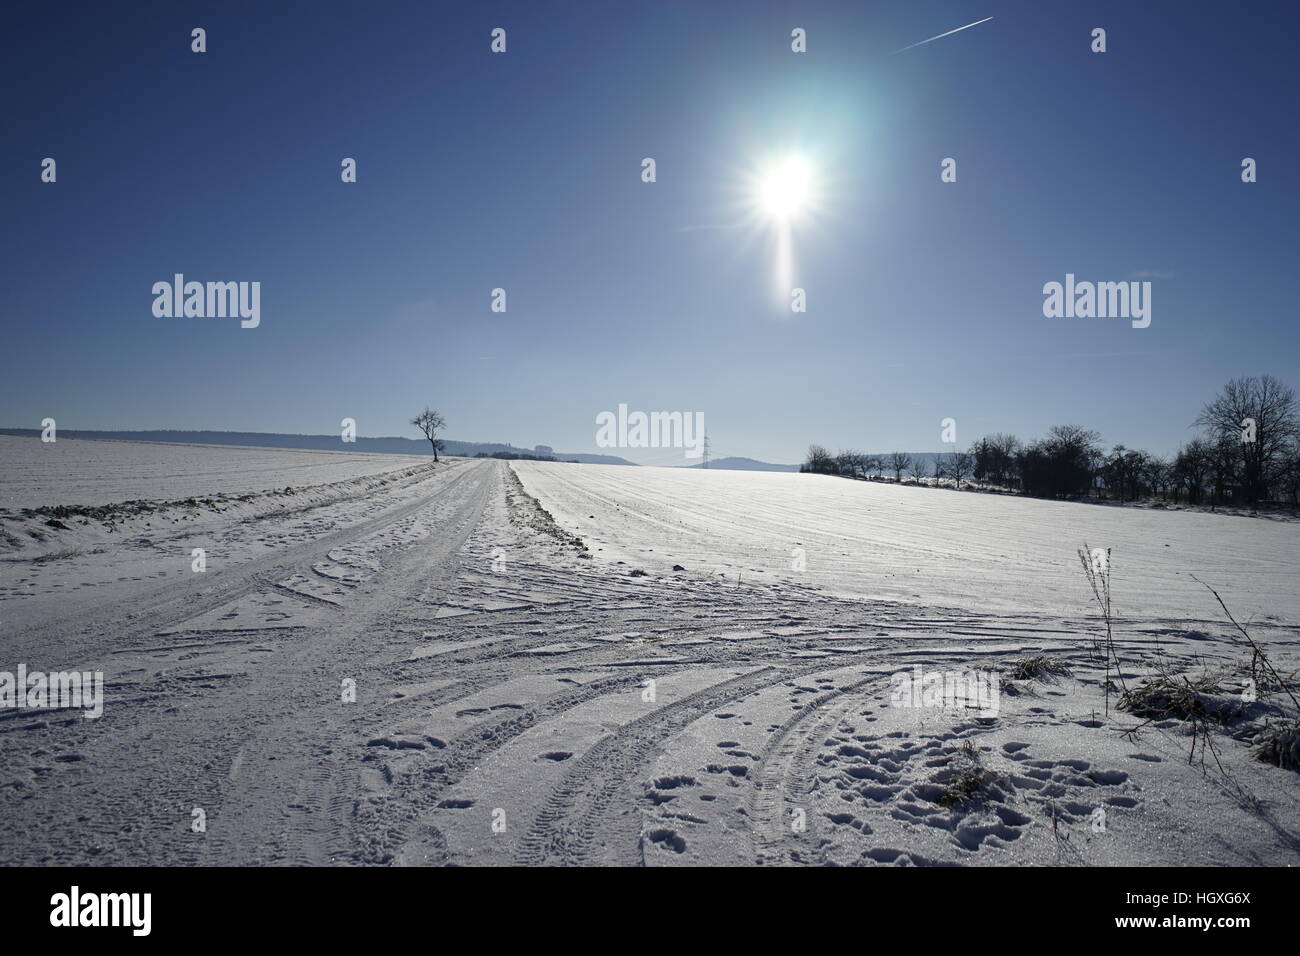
column 786, row 190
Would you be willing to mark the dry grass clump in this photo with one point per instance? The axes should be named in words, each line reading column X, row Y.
column 1039, row 667
column 1279, row 744
column 1178, row 697
column 967, row 782
column 1208, row 704
column 962, row 788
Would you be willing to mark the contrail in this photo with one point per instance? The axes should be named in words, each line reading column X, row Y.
column 949, row 33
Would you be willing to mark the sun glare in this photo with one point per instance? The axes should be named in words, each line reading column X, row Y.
column 786, row 190
column 782, row 195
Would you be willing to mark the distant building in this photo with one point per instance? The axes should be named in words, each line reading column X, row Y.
column 543, row 450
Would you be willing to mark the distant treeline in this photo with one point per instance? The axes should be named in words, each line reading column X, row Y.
column 522, row 456
column 1248, row 452
column 333, row 442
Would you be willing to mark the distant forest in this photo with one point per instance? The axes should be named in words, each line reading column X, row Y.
column 1247, row 452
column 522, row 456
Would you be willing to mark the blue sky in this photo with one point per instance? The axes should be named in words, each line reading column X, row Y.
column 522, row 171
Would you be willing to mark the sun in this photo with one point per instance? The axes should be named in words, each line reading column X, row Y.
column 782, row 194
column 785, row 190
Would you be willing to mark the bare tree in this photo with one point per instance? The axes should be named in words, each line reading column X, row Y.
column 1259, row 418
column 960, row 464
column 994, row 458
column 1062, row 464
column 917, row 468
column 1124, row 471
column 1159, row 473
column 819, row 461
column 1223, row 465
column 1191, row 468
column 429, row 422
column 899, row 462
column 857, row 463
column 847, row 463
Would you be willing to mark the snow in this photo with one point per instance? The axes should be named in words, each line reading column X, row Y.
column 932, row 546
column 72, row 471
column 454, row 663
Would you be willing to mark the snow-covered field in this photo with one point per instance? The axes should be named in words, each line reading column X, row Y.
column 477, row 662
column 74, row 471
column 982, row 552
